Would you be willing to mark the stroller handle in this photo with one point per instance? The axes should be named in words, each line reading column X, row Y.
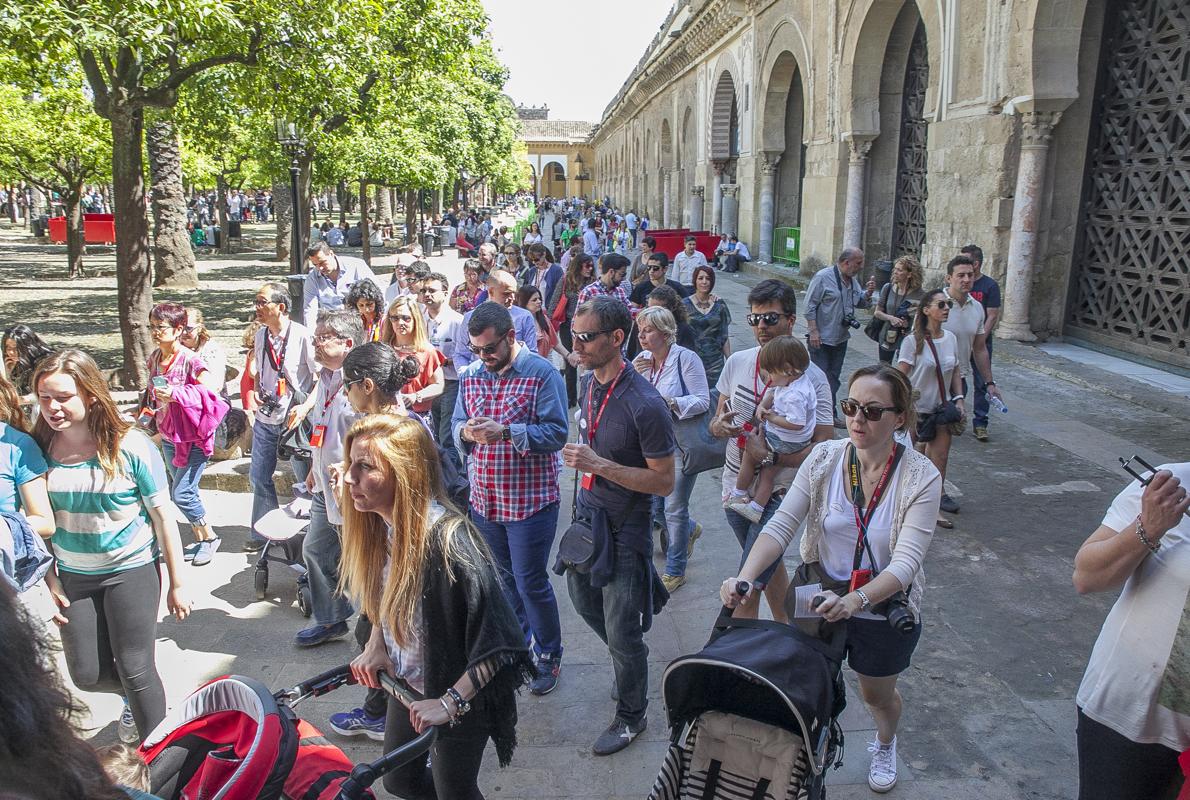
column 326, row 682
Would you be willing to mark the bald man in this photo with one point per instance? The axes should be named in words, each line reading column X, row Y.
column 501, row 289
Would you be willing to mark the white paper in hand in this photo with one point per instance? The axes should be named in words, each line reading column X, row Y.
column 802, row 597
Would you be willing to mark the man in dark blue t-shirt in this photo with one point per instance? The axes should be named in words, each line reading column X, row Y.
column 987, row 292
column 625, row 455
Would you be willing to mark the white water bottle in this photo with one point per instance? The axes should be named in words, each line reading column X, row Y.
column 997, row 403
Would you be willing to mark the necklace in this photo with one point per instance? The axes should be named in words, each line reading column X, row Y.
column 701, row 306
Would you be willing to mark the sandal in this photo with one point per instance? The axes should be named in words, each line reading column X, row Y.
column 943, row 522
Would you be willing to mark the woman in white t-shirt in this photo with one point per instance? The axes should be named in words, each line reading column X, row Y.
column 929, row 350
column 1133, row 707
column 533, row 236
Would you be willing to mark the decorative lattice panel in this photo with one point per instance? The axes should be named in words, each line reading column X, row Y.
column 1132, row 260
column 909, row 213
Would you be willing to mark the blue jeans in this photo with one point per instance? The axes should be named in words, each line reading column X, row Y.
column 183, row 482
column 747, row 531
column 614, row 613
column 981, row 392
column 441, row 410
column 264, row 463
column 522, row 550
column 675, row 510
column 829, row 359
column 321, row 551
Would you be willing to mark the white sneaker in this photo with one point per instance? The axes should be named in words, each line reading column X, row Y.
column 882, row 775
column 126, row 728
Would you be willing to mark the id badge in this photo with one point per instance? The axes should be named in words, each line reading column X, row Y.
column 316, row 435
column 860, row 578
column 588, row 481
column 282, row 387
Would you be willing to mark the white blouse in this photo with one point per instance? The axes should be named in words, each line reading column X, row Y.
column 682, row 379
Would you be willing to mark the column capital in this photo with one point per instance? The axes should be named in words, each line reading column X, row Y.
column 730, row 189
column 719, row 165
column 696, row 191
column 768, row 163
column 858, row 147
column 1037, row 127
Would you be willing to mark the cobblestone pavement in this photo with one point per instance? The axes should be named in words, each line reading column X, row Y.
column 989, row 708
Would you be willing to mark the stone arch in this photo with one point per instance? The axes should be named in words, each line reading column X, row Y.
column 553, row 178
column 1047, row 69
column 782, row 132
column 666, row 149
column 724, row 112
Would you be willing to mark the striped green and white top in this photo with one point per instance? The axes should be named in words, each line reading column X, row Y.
column 103, row 524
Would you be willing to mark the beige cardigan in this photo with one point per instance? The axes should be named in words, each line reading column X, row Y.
column 915, row 511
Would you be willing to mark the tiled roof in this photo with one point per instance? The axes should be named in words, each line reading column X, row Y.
column 555, row 130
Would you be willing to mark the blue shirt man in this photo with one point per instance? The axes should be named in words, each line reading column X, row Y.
column 330, row 279
column 501, row 290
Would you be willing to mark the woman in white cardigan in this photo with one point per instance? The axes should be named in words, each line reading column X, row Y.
column 900, row 527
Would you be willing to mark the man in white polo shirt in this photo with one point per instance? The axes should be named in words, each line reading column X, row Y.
column 966, row 322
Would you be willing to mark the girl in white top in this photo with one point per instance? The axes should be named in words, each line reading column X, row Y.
column 900, row 526
column 679, row 377
column 533, row 236
column 917, row 360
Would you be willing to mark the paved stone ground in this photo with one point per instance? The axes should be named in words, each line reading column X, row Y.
column 988, row 700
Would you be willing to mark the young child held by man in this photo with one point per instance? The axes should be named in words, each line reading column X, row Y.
column 786, row 412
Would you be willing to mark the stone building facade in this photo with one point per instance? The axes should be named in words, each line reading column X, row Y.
column 1052, row 133
column 561, row 159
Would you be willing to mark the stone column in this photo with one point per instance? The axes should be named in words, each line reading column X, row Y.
column 1037, row 130
column 696, row 203
column 857, row 185
column 768, row 205
column 717, row 197
column 666, row 180
column 731, row 208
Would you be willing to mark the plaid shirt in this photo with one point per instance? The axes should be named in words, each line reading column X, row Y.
column 513, row 480
column 597, row 289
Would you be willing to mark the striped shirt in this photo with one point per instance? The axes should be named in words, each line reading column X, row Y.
column 102, row 524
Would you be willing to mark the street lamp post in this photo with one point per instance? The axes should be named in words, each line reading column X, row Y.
column 294, row 147
column 579, row 160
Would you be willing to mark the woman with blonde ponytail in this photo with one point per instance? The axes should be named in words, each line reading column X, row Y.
column 414, row 565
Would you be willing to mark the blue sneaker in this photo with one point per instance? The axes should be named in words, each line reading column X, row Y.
column 320, row 634
column 126, row 727
column 356, row 722
column 548, row 669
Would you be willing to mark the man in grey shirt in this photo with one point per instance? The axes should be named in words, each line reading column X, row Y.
column 329, row 280
column 831, row 300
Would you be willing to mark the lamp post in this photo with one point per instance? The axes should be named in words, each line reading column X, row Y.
column 294, row 147
column 579, row 160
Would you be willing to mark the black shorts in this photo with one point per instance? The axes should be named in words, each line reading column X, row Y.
column 877, row 650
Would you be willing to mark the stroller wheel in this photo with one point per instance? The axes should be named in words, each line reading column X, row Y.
column 304, row 601
column 261, row 582
column 663, row 538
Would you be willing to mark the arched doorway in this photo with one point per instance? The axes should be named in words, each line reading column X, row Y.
column 912, row 191
column 553, row 183
column 1131, row 261
column 782, row 138
column 725, row 146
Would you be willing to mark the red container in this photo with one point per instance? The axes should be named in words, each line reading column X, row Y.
column 97, row 229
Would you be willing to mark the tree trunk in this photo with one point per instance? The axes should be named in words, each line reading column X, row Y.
column 173, row 256
column 304, row 182
column 134, row 285
column 75, row 239
column 363, row 222
column 411, row 216
column 283, row 218
column 221, row 216
column 341, row 191
column 384, row 206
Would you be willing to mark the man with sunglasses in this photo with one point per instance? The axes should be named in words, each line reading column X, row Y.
column 329, row 280
column 831, row 300
column 741, row 387
column 510, row 420
column 502, row 291
column 655, row 276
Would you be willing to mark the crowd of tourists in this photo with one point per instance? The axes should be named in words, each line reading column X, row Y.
column 438, row 424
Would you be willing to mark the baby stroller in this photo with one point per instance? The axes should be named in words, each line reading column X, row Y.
column 284, row 531
column 233, row 740
column 754, row 715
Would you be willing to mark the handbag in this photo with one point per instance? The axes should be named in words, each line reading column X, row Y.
column 576, row 548
column 699, row 450
column 874, row 330
column 559, row 315
column 947, row 412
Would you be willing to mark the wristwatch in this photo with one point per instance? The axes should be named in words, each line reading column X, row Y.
column 769, row 460
column 506, row 434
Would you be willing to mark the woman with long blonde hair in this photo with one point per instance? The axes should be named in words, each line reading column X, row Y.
column 896, row 305
column 413, row 564
column 406, row 332
column 111, row 499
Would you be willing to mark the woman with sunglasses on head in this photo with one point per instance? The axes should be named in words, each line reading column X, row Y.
column 465, row 296
column 579, row 275
column 415, row 565
column 902, row 293
column 930, row 359
column 108, row 488
column 895, row 491
column 405, row 331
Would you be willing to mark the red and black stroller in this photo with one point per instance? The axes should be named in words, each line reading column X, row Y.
column 754, row 715
column 234, row 740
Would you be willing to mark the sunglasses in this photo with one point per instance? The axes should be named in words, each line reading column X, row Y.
column 655, row 268
column 485, row 349
column 944, row 304
column 770, row 318
column 871, row 413
column 586, row 337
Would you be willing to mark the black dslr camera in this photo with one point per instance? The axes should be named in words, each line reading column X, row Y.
column 896, row 610
column 850, row 321
column 269, row 403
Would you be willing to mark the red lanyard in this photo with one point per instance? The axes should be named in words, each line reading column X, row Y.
column 757, row 392
column 593, row 422
column 877, row 493
column 657, row 372
column 330, row 398
column 276, row 359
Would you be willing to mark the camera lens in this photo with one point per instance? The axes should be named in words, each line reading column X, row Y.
column 901, row 620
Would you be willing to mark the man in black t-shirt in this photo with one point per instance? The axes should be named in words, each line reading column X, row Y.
column 987, row 292
column 658, row 264
column 625, row 455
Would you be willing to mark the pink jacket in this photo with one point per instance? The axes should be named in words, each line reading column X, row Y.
column 190, row 419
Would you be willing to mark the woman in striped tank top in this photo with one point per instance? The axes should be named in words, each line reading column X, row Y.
column 113, row 523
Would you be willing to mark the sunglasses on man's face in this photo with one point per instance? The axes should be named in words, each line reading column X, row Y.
column 484, row 349
column 586, row 337
column 769, row 318
column 872, row 413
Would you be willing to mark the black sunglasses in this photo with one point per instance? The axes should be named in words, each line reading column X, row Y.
column 769, row 318
column 586, row 337
column 945, row 304
column 872, row 413
column 485, row 349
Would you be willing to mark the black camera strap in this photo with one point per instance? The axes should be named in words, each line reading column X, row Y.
column 863, row 517
column 843, row 293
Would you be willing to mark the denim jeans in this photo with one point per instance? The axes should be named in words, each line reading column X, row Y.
column 829, row 359
column 441, row 410
column 675, row 511
column 183, row 482
column 321, row 550
column 614, row 613
column 264, row 463
column 981, row 392
column 522, row 550
column 747, row 531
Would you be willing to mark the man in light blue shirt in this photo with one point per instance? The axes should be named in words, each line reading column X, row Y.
column 330, row 279
column 831, row 299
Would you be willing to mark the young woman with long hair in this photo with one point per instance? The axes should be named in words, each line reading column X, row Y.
column 196, row 336
column 903, row 291
column 528, row 297
column 366, row 298
column 23, row 348
column 579, row 274
column 406, row 333
column 421, row 572
column 115, row 522
column 929, row 350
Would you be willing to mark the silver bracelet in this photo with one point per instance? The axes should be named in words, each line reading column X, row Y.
column 446, row 708
column 863, row 598
column 1145, row 540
